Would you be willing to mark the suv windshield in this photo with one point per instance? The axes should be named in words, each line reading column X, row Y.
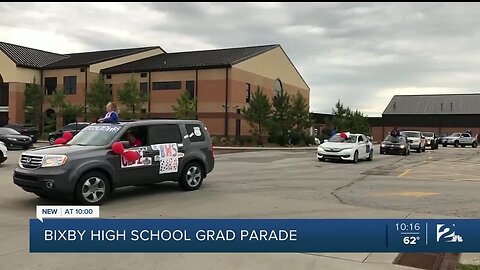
column 395, row 139
column 337, row 138
column 410, row 134
column 95, row 135
column 456, row 135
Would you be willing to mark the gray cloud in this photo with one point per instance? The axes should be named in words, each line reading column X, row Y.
column 361, row 53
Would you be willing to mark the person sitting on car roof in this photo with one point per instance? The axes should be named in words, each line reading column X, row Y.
column 112, row 114
column 395, row 132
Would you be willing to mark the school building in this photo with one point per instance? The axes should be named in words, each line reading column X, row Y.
column 222, row 81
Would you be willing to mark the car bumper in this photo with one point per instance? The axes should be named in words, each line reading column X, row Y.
column 19, row 144
column 393, row 150
column 415, row 145
column 3, row 159
column 342, row 155
column 44, row 180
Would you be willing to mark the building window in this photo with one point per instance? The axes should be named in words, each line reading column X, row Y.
column 173, row 85
column 144, row 89
column 70, row 85
column 277, row 88
column 82, row 70
column 191, row 89
column 50, row 85
column 143, row 75
column 247, row 93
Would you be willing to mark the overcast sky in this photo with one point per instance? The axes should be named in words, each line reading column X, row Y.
column 360, row 53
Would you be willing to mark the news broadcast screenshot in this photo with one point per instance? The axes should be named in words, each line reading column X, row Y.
column 249, row 135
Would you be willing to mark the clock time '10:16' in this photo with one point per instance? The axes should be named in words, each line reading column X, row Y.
column 407, row 226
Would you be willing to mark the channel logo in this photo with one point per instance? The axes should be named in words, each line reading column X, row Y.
column 448, row 234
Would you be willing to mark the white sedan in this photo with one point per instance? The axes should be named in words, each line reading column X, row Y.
column 346, row 146
column 3, row 152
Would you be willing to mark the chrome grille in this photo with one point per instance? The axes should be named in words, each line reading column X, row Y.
column 28, row 161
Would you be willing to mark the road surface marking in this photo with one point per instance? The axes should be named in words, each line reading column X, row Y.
column 404, row 173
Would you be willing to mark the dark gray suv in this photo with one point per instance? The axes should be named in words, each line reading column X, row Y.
column 88, row 169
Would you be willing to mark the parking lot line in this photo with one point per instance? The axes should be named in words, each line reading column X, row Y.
column 404, row 173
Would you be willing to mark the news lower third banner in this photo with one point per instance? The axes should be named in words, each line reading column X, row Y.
column 255, row 235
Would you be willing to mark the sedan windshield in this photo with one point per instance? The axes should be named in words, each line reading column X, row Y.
column 428, row 134
column 337, row 138
column 8, row 131
column 395, row 139
column 95, row 135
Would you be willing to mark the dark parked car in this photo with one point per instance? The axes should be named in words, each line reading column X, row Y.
column 73, row 128
column 26, row 129
column 90, row 167
column 13, row 139
column 395, row 145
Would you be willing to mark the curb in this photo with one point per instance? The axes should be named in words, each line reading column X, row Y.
column 263, row 148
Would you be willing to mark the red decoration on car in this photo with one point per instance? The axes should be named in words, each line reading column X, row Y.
column 131, row 156
column 118, row 148
column 343, row 135
column 60, row 141
column 67, row 136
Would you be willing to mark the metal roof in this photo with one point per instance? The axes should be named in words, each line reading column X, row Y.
column 191, row 60
column 28, row 57
column 434, row 104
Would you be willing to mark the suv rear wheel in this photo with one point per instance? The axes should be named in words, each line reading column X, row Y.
column 474, row 144
column 192, row 176
column 93, row 188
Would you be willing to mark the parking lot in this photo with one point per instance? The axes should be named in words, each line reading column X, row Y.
column 279, row 184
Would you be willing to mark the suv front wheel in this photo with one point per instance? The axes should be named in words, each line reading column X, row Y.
column 192, row 176
column 92, row 189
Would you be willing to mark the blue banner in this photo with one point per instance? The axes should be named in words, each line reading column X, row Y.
column 255, row 235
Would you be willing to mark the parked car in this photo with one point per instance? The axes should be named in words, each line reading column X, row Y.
column 459, row 139
column 395, row 145
column 3, row 152
column 352, row 147
column 13, row 139
column 430, row 140
column 88, row 168
column 26, row 129
column 415, row 139
column 73, row 128
column 440, row 138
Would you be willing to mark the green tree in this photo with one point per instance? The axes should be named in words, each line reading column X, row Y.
column 346, row 119
column 98, row 96
column 64, row 108
column 33, row 104
column 185, row 107
column 258, row 114
column 131, row 97
column 282, row 120
column 341, row 117
column 300, row 115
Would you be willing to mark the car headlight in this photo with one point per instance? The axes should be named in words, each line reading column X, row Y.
column 54, row 160
column 402, row 146
column 382, row 145
column 12, row 139
column 349, row 148
column 320, row 148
